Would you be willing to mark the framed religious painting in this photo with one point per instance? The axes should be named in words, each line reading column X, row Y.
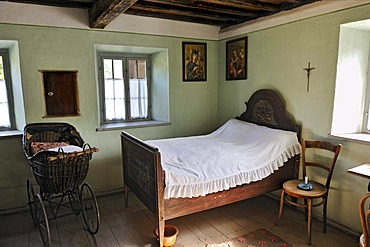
column 194, row 61
column 236, row 59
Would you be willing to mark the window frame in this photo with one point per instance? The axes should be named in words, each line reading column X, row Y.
column 125, row 57
column 366, row 112
column 9, row 89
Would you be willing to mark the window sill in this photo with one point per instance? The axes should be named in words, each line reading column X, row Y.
column 131, row 125
column 10, row 134
column 355, row 137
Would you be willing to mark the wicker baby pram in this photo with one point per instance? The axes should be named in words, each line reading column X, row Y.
column 59, row 160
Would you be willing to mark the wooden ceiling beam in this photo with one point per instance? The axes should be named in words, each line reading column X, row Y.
column 253, row 5
column 103, row 12
column 178, row 18
column 280, row 1
column 187, row 16
column 241, row 4
column 196, row 6
column 178, row 14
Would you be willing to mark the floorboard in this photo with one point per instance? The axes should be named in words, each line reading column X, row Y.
column 134, row 226
column 222, row 223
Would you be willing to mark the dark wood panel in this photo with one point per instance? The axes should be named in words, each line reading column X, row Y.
column 60, row 93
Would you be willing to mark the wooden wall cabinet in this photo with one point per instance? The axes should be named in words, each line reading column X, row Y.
column 60, row 93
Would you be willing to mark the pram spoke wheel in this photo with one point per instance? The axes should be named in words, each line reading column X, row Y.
column 31, row 201
column 89, row 208
column 74, row 200
column 42, row 221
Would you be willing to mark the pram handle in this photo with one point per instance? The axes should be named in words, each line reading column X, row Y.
column 67, row 155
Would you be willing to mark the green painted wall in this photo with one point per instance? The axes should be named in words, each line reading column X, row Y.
column 276, row 60
column 193, row 106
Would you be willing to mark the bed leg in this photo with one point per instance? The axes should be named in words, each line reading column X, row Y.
column 161, row 224
column 280, row 207
column 125, row 194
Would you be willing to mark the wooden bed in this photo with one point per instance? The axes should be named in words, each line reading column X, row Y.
column 144, row 176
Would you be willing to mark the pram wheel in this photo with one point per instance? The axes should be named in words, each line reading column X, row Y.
column 89, row 208
column 74, row 200
column 42, row 220
column 31, row 201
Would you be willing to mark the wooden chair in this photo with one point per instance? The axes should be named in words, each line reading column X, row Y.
column 291, row 193
column 364, row 240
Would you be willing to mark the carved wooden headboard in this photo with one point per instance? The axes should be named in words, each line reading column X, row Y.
column 267, row 109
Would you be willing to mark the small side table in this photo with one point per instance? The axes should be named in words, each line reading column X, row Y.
column 362, row 171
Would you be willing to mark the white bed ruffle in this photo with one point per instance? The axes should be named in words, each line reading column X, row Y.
column 236, row 153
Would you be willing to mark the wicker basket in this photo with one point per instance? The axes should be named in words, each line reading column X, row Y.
column 56, row 172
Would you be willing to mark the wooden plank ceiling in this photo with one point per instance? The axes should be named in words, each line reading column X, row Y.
column 222, row 13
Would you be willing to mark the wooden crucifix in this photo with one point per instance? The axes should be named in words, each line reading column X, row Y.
column 308, row 69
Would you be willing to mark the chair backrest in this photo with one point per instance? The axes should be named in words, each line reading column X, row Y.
column 364, row 216
column 320, row 145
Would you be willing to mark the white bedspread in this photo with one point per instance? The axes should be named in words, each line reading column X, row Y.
column 237, row 153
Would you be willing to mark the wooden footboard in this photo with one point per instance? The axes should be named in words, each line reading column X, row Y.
column 143, row 174
column 140, row 171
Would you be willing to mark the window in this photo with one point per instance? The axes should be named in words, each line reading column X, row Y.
column 144, row 103
column 352, row 86
column 125, row 87
column 7, row 120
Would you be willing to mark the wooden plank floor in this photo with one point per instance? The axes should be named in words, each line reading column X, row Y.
column 134, row 226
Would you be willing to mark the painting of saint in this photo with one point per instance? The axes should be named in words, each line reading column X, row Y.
column 194, row 61
column 236, row 59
